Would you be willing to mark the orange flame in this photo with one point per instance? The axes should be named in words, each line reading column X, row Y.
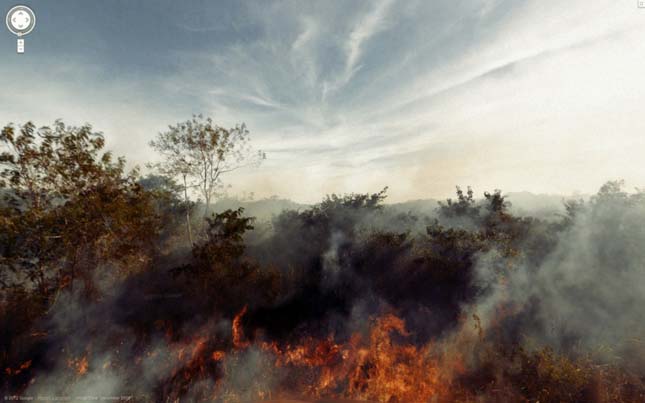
column 238, row 333
column 79, row 365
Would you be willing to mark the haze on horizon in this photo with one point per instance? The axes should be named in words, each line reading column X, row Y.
column 542, row 96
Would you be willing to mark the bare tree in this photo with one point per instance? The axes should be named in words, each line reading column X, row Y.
column 200, row 153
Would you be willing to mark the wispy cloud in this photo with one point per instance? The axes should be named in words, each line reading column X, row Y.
column 368, row 25
column 348, row 96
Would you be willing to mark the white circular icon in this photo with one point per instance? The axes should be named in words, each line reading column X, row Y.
column 21, row 20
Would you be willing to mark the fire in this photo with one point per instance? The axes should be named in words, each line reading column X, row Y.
column 25, row 365
column 385, row 371
column 79, row 365
column 371, row 366
column 366, row 368
column 379, row 364
column 238, row 333
column 218, row 355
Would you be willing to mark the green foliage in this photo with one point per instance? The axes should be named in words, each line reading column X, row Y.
column 71, row 207
column 464, row 206
column 572, row 209
column 167, row 201
column 50, row 164
column 70, row 210
column 354, row 201
column 341, row 213
column 222, row 249
column 224, row 238
column 220, row 273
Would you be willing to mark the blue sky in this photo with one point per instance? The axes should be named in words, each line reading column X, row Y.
column 350, row 96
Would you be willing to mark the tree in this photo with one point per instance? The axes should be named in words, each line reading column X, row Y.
column 465, row 206
column 168, row 202
column 219, row 274
column 224, row 238
column 200, row 153
column 69, row 207
column 47, row 166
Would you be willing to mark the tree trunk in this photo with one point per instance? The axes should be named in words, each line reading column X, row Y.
column 190, row 232
column 207, row 206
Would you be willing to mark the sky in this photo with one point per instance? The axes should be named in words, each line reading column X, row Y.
column 546, row 96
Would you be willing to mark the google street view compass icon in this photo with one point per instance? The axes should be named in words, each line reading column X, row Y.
column 21, row 20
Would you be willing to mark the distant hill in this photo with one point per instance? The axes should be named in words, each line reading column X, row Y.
column 522, row 203
column 537, row 205
column 421, row 207
column 262, row 210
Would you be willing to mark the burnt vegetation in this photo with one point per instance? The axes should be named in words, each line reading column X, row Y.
column 101, row 294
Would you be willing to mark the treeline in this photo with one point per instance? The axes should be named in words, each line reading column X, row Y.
column 75, row 226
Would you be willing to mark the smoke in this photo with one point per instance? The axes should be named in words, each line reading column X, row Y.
column 585, row 296
column 577, row 285
column 78, row 355
column 331, row 260
column 62, row 382
column 249, row 374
